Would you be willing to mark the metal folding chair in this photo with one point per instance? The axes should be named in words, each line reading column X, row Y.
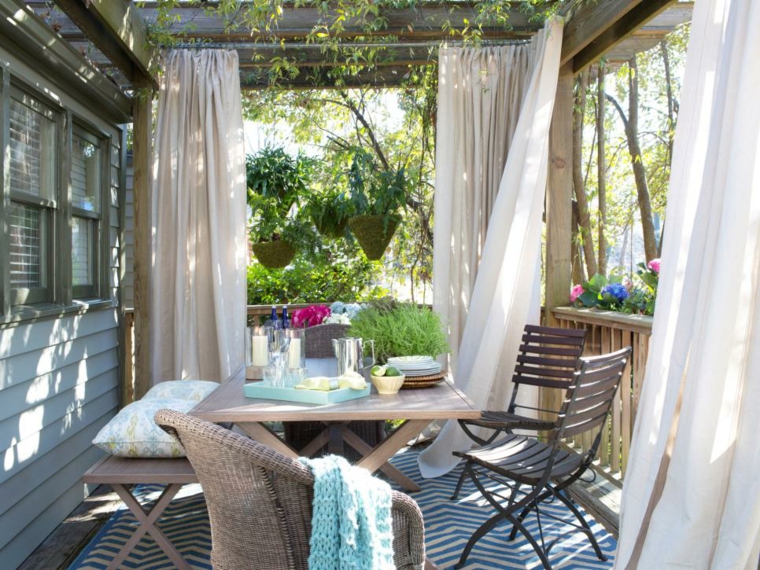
column 534, row 471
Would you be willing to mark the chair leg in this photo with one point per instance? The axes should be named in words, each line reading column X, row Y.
column 482, row 530
column 460, row 483
column 537, row 547
column 582, row 520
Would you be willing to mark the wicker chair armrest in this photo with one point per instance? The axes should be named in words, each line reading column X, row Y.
column 410, row 534
column 259, row 454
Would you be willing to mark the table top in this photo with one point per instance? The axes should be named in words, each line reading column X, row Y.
column 443, row 401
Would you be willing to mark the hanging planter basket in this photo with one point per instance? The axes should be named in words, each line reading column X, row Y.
column 370, row 235
column 273, row 254
column 331, row 229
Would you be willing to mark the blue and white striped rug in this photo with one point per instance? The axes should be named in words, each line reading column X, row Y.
column 448, row 527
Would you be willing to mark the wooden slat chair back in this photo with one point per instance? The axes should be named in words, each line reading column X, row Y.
column 547, row 469
column 548, row 358
column 259, row 501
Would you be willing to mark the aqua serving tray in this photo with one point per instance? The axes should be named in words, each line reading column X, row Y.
column 261, row 392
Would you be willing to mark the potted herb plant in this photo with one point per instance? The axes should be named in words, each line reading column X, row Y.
column 378, row 197
column 400, row 329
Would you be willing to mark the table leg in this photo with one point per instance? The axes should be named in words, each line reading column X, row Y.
column 147, row 520
column 387, row 448
column 263, row 434
column 394, row 474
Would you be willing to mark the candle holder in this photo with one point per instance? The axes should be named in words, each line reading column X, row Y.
column 256, row 347
column 296, row 357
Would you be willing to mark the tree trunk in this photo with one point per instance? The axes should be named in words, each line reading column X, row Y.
column 639, row 173
column 584, row 220
column 576, row 253
column 671, row 100
column 601, row 170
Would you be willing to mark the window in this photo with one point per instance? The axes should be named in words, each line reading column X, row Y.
column 33, row 192
column 55, row 205
column 86, row 190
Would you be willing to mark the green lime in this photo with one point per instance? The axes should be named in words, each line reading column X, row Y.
column 392, row 371
column 378, row 370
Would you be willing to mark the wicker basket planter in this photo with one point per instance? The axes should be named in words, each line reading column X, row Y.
column 371, row 236
column 273, row 254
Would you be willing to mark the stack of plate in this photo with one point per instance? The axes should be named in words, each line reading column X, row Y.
column 412, row 366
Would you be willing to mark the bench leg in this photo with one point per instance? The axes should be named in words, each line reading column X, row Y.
column 147, row 520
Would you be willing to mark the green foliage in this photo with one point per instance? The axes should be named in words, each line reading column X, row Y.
column 374, row 191
column 277, row 185
column 273, row 173
column 640, row 296
column 401, row 329
column 330, row 210
column 335, row 272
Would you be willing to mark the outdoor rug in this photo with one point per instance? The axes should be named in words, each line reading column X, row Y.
column 448, row 527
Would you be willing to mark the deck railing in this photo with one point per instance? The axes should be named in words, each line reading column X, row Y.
column 607, row 332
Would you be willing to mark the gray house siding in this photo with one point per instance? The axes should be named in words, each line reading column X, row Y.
column 60, row 375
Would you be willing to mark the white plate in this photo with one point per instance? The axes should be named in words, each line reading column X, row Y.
column 395, row 360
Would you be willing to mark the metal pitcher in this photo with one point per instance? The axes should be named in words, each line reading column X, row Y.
column 350, row 354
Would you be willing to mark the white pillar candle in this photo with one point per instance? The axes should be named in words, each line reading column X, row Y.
column 294, row 353
column 259, row 351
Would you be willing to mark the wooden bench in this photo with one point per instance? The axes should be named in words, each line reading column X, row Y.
column 121, row 473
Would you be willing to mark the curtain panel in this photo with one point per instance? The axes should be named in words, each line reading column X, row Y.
column 198, row 288
column 691, row 498
column 486, row 283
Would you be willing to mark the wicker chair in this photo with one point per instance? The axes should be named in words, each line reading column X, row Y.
column 259, row 501
column 537, row 471
column 318, row 344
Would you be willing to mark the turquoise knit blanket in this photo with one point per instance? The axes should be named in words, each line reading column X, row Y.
column 351, row 525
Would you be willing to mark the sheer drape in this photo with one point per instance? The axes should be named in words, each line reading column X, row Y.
column 691, row 498
column 199, row 213
column 505, row 286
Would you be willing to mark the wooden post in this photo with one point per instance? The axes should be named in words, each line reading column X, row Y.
column 141, row 154
column 559, row 199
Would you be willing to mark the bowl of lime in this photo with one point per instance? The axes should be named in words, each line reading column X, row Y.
column 386, row 379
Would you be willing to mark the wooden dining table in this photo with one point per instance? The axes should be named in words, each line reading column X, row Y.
column 417, row 408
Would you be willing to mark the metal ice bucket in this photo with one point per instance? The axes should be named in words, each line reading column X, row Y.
column 350, row 354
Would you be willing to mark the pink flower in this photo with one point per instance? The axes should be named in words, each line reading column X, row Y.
column 576, row 292
column 654, row 265
column 310, row 316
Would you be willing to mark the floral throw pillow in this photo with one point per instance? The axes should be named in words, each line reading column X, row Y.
column 134, row 433
column 195, row 390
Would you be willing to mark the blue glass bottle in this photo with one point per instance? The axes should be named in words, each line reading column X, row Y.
column 285, row 318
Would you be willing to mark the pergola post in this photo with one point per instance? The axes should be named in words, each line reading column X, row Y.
column 559, row 199
column 141, row 153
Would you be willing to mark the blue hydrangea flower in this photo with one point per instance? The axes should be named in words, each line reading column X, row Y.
column 337, row 308
column 352, row 309
column 616, row 290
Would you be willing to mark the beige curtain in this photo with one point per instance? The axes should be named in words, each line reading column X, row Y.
column 496, row 303
column 199, row 213
column 691, row 498
column 480, row 93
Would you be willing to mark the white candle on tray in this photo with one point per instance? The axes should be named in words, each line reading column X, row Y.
column 294, row 353
column 259, row 351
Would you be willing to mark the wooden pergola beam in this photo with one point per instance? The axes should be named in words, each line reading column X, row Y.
column 619, row 31
column 118, row 30
column 422, row 22
column 597, row 27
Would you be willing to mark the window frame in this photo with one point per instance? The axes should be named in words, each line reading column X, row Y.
column 59, row 294
column 48, row 206
column 95, row 289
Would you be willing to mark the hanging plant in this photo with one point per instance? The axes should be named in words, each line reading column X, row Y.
column 330, row 212
column 276, row 186
column 378, row 197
